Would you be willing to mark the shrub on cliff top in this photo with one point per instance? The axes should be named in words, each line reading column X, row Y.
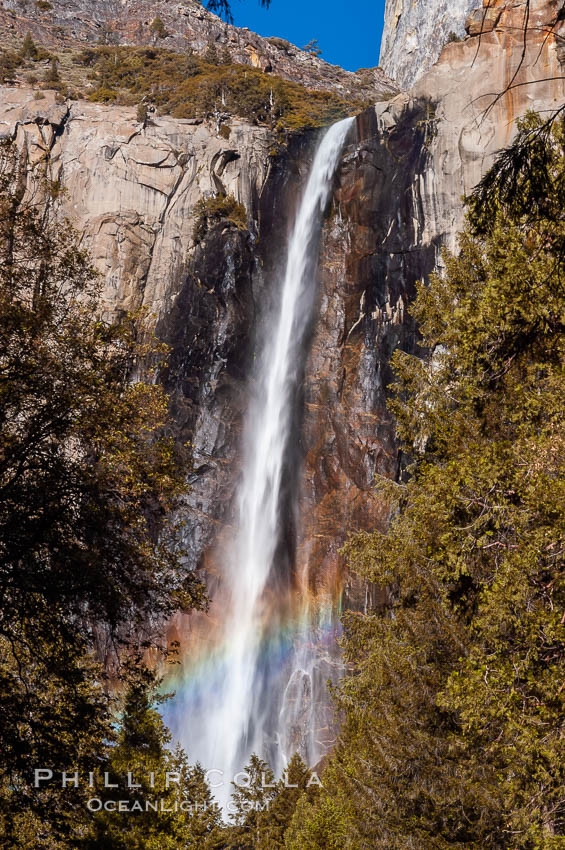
column 192, row 87
column 9, row 61
column 209, row 211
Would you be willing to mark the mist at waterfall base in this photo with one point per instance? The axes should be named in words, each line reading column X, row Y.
column 247, row 687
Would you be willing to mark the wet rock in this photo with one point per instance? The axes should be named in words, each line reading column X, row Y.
column 209, row 330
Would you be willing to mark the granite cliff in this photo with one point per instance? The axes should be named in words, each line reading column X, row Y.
column 398, row 205
column 132, row 190
column 414, row 34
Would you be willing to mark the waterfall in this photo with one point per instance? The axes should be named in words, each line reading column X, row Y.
column 244, row 705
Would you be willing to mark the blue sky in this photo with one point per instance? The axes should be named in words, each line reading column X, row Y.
column 348, row 33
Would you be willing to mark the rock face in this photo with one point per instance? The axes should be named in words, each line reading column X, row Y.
column 186, row 26
column 132, row 191
column 398, row 203
column 415, row 33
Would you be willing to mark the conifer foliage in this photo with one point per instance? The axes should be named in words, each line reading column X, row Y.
column 262, row 808
column 169, row 805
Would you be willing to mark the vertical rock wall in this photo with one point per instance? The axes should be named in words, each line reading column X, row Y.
column 415, row 32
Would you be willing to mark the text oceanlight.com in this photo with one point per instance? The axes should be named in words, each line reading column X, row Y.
column 95, row 804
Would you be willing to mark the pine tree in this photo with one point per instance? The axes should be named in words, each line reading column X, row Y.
column 158, row 28
column 140, row 751
column 249, row 807
column 324, row 824
column 52, row 74
column 263, row 809
column 202, row 827
column 211, row 54
column 294, row 785
column 28, row 49
column 170, row 804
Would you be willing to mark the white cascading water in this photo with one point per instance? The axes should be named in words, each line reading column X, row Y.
column 231, row 724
